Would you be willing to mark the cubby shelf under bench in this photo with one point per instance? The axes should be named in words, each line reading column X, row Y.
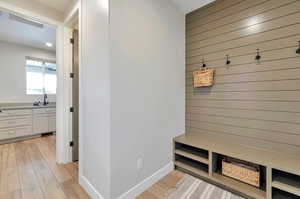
column 200, row 155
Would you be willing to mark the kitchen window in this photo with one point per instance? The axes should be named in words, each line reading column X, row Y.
column 40, row 77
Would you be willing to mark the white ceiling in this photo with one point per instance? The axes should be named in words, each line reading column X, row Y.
column 25, row 34
column 190, row 5
column 185, row 5
column 16, row 32
column 60, row 5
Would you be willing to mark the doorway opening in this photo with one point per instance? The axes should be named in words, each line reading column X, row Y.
column 29, row 118
column 75, row 94
column 28, row 75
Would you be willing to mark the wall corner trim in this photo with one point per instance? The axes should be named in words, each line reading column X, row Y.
column 148, row 182
column 89, row 188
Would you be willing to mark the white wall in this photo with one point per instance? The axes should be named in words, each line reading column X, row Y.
column 148, row 85
column 132, row 92
column 13, row 72
column 95, row 99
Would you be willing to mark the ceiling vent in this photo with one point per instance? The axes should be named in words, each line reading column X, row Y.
column 25, row 21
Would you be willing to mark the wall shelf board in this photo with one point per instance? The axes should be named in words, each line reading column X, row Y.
column 279, row 194
column 194, row 170
column 285, row 181
column 189, row 154
column 239, row 186
column 286, row 187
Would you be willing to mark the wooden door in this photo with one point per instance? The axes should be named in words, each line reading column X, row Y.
column 75, row 96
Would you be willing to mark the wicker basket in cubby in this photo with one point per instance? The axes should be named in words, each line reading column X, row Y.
column 242, row 171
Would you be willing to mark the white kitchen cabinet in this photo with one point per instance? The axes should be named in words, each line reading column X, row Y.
column 52, row 123
column 11, row 122
column 40, row 124
column 15, row 113
column 15, row 132
column 18, row 123
column 44, row 120
column 15, row 123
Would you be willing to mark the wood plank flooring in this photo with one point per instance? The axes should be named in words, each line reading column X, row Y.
column 164, row 187
column 28, row 170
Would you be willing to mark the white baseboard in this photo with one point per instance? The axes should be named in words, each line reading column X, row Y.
column 148, row 182
column 89, row 188
column 133, row 192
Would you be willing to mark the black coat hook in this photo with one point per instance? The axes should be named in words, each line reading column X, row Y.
column 203, row 64
column 227, row 60
column 298, row 50
column 258, row 57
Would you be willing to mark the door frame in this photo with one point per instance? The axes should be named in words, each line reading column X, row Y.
column 73, row 17
column 63, row 95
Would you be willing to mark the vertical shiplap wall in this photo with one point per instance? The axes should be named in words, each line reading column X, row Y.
column 251, row 103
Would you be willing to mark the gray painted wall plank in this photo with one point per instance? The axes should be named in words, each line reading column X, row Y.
column 250, row 86
column 270, row 15
column 263, row 115
column 251, row 103
column 283, row 42
column 248, row 41
column 237, row 7
column 211, row 9
column 289, row 96
column 273, row 136
column 238, row 16
column 282, row 127
column 199, row 41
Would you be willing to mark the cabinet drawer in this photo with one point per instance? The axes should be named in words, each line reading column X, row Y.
column 44, row 111
column 15, row 132
column 15, row 122
column 12, row 113
column 40, row 124
column 52, row 123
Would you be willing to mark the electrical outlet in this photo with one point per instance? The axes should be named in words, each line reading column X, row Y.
column 139, row 164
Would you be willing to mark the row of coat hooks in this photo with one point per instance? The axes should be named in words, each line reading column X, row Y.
column 257, row 57
column 228, row 62
column 298, row 50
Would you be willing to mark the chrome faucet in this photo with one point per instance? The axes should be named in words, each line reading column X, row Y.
column 45, row 100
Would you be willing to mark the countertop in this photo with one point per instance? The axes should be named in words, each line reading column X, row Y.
column 17, row 106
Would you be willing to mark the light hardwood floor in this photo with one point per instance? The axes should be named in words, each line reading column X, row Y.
column 28, row 170
column 163, row 187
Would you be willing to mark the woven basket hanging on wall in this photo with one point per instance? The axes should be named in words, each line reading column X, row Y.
column 203, row 78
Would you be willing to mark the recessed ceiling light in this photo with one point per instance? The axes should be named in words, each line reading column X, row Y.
column 49, row 44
